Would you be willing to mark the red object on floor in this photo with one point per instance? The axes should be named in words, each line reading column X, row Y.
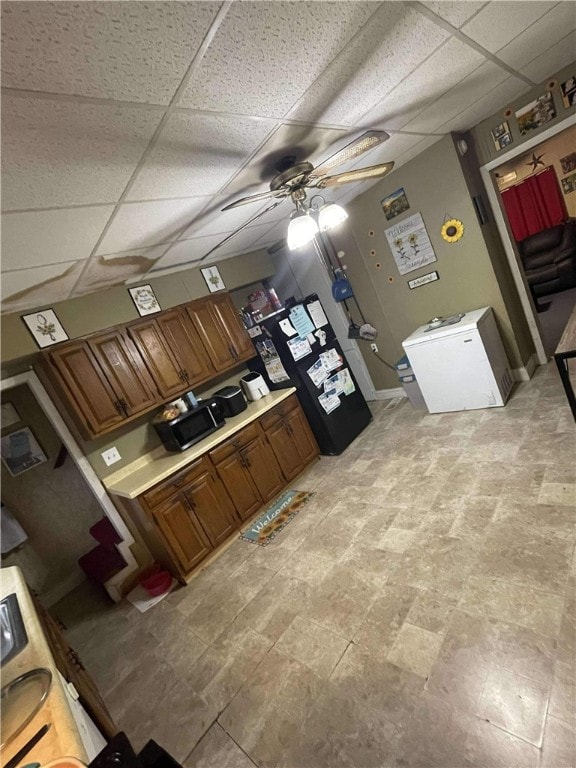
column 105, row 533
column 156, row 583
column 101, row 563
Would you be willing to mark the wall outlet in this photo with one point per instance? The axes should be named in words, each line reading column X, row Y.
column 374, row 347
column 111, row 456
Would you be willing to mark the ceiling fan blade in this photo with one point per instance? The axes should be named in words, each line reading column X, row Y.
column 236, row 231
column 356, row 148
column 370, row 172
column 258, row 196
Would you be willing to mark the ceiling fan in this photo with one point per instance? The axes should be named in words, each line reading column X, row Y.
column 293, row 179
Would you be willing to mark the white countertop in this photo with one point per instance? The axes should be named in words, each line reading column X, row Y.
column 147, row 471
column 63, row 738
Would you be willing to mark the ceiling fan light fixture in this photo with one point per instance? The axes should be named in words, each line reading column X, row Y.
column 331, row 216
column 301, row 231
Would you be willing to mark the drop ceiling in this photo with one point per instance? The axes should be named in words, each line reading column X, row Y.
column 127, row 126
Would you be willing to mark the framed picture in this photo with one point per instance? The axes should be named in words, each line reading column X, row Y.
column 45, row 327
column 535, row 114
column 9, row 415
column 568, row 163
column 501, row 135
column 410, row 244
column 395, row 204
column 20, row 451
column 568, row 89
column 144, row 299
column 569, row 184
column 213, row 279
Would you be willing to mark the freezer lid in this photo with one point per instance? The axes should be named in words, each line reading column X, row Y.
column 469, row 322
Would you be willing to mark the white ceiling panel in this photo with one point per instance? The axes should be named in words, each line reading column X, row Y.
column 36, row 237
column 280, row 49
column 104, row 271
column 446, row 67
column 218, row 221
column 242, row 242
column 456, row 13
column 196, row 154
column 134, row 51
column 42, row 286
column 58, row 153
column 498, row 98
column 187, row 251
column 556, row 57
column 535, row 40
column 500, row 22
column 277, row 232
column 483, row 80
column 137, row 225
column 396, row 41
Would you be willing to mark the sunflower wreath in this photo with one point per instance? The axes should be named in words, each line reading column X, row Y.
column 452, row 230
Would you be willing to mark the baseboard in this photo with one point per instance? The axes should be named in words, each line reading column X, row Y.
column 526, row 372
column 389, row 394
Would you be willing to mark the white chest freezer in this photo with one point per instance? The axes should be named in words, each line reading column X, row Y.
column 461, row 366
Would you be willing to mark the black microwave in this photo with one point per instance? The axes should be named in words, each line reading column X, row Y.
column 190, row 427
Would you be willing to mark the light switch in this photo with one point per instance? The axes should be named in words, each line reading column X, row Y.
column 111, row 456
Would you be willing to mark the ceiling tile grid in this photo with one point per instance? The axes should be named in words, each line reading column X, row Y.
column 554, row 58
column 186, row 252
column 456, row 13
column 132, row 51
column 498, row 23
column 105, row 271
column 28, row 288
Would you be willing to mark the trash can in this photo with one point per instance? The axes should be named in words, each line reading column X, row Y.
column 408, row 380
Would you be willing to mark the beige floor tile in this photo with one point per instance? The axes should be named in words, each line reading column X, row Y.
column 383, row 621
column 558, row 493
column 217, row 750
column 431, row 610
column 306, row 566
column 312, row 645
column 396, row 539
column 559, row 747
column 563, row 697
column 516, row 704
column 415, row 649
column 539, row 611
column 544, row 518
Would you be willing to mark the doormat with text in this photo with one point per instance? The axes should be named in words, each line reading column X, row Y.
column 278, row 515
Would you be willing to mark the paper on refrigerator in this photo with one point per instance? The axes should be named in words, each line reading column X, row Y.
column 317, row 314
column 269, row 355
column 317, row 372
column 329, row 400
column 301, row 321
column 341, row 382
column 299, row 348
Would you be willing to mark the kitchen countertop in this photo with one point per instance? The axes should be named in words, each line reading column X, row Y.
column 147, row 471
column 63, row 738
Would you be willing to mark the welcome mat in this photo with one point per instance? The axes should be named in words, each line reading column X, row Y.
column 278, row 515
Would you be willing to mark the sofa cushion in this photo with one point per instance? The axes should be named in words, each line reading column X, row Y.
column 542, row 241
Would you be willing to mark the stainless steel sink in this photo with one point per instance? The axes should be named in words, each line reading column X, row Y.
column 13, row 637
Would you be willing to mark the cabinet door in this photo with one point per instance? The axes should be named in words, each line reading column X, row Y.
column 263, row 468
column 243, row 348
column 186, row 345
column 125, row 371
column 83, row 387
column 285, row 449
column 212, row 507
column 240, row 485
column 182, row 532
column 305, row 442
column 159, row 357
column 213, row 334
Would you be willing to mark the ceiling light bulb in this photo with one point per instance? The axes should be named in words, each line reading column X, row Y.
column 301, row 231
column 331, row 216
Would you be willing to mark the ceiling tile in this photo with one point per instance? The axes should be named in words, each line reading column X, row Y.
column 137, row 225
column 104, row 271
column 426, row 85
column 396, row 41
column 42, row 286
column 58, row 153
column 500, row 22
column 131, row 51
column 277, row 232
column 469, row 91
column 242, row 242
column 196, row 154
column 51, row 237
column 539, row 37
column 456, row 13
column 555, row 58
column 187, row 251
column 218, row 222
column 280, row 49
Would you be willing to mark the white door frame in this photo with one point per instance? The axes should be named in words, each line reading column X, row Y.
column 494, row 198
column 31, row 379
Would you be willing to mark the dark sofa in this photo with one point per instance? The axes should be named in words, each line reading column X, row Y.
column 549, row 259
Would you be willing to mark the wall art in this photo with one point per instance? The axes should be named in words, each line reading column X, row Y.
column 144, row 300
column 45, row 327
column 213, row 279
column 20, row 451
column 568, row 89
column 536, row 113
column 501, row 135
column 395, row 204
column 410, row 244
column 568, row 163
column 569, row 184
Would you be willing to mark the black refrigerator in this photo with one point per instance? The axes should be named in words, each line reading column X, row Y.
column 297, row 347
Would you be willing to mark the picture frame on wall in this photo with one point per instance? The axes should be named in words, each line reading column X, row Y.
column 568, row 163
column 501, row 135
column 395, row 204
column 144, row 300
column 213, row 279
column 536, row 113
column 568, row 90
column 569, row 184
column 45, row 328
column 20, row 451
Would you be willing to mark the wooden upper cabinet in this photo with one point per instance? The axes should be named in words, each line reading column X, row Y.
column 220, row 328
column 159, row 357
column 186, row 344
column 125, row 371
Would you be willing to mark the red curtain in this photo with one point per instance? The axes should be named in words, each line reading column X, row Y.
column 535, row 204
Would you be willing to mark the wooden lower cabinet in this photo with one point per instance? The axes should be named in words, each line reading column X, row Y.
column 199, row 508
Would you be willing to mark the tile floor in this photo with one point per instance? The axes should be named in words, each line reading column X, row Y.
column 420, row 611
